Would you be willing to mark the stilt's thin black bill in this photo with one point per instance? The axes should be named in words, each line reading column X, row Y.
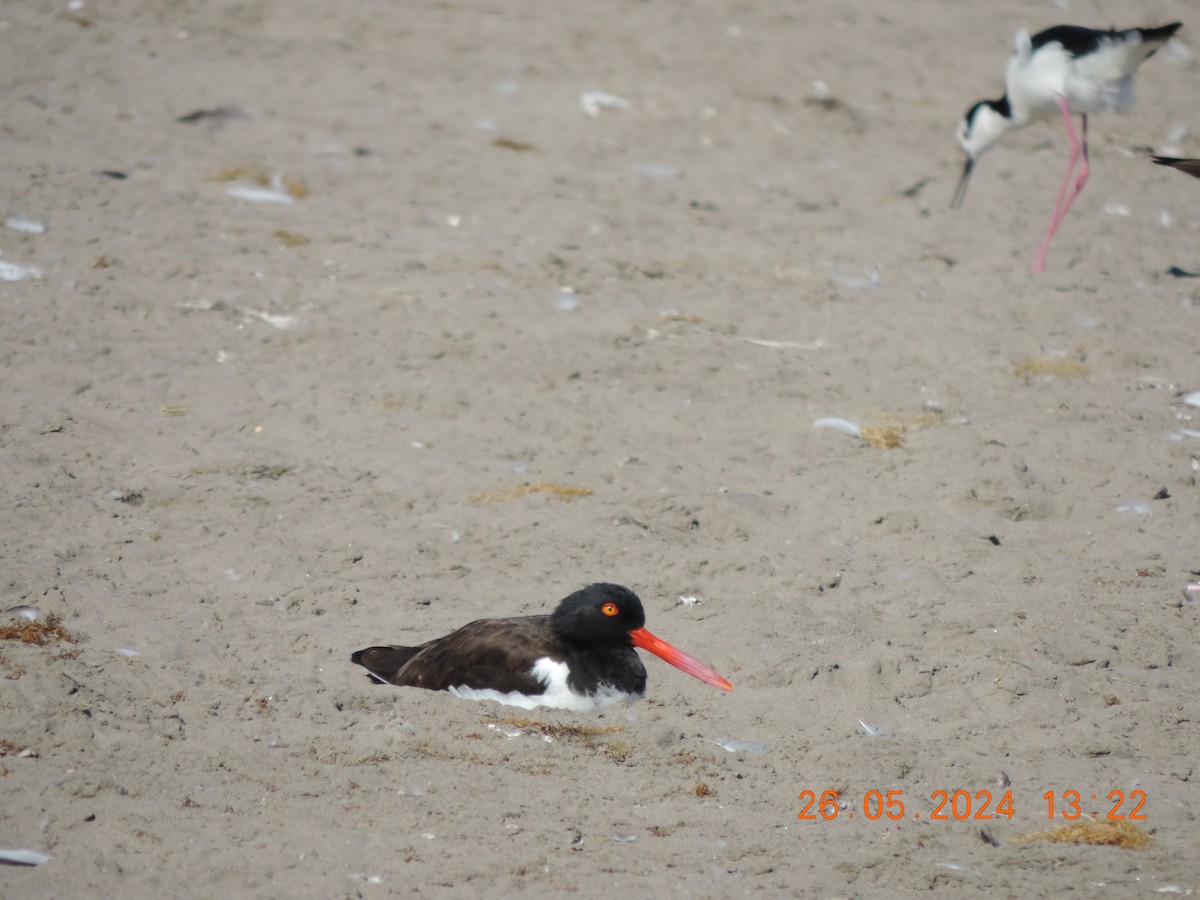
column 960, row 192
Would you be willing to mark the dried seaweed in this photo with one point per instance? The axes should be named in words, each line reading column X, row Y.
column 290, row 238
column 586, row 733
column 561, row 491
column 889, row 433
column 505, row 143
column 12, row 672
column 1064, row 367
column 38, row 632
column 591, row 737
column 1099, row 833
column 883, row 437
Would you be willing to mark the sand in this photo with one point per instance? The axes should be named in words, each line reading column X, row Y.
column 241, row 439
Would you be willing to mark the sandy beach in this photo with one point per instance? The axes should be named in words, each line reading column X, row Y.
column 334, row 325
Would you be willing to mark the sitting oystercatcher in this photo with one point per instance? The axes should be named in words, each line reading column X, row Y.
column 1065, row 69
column 580, row 657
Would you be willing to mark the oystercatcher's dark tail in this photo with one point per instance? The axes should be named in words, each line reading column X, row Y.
column 383, row 663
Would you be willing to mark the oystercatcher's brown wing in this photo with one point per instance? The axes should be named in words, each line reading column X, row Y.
column 489, row 653
column 1191, row 166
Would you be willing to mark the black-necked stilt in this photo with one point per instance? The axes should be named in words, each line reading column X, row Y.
column 1191, row 166
column 580, row 657
column 1065, row 69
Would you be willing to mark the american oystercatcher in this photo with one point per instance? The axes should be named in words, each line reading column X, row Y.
column 580, row 657
column 1191, row 166
column 1065, row 69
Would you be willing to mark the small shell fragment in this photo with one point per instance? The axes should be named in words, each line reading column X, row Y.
column 260, row 195
column 275, row 320
column 23, row 857
column 732, row 746
column 1142, row 509
column 568, row 300
column 28, row 226
column 786, row 345
column 656, row 170
column 276, row 192
column 28, row 613
column 843, row 426
column 592, row 102
column 507, row 730
column 854, row 282
column 13, row 272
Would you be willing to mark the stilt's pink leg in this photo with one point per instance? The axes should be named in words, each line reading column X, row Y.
column 1084, row 171
column 1063, row 203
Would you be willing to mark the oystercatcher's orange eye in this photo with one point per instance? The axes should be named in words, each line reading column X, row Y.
column 609, row 609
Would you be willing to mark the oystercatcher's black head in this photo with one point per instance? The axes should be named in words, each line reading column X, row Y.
column 608, row 615
column 599, row 615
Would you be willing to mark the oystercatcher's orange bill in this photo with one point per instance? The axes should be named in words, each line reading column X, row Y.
column 680, row 660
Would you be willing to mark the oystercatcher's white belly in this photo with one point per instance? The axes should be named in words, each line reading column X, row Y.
column 557, row 695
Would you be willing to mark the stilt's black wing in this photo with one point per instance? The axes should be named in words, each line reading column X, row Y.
column 1191, row 166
